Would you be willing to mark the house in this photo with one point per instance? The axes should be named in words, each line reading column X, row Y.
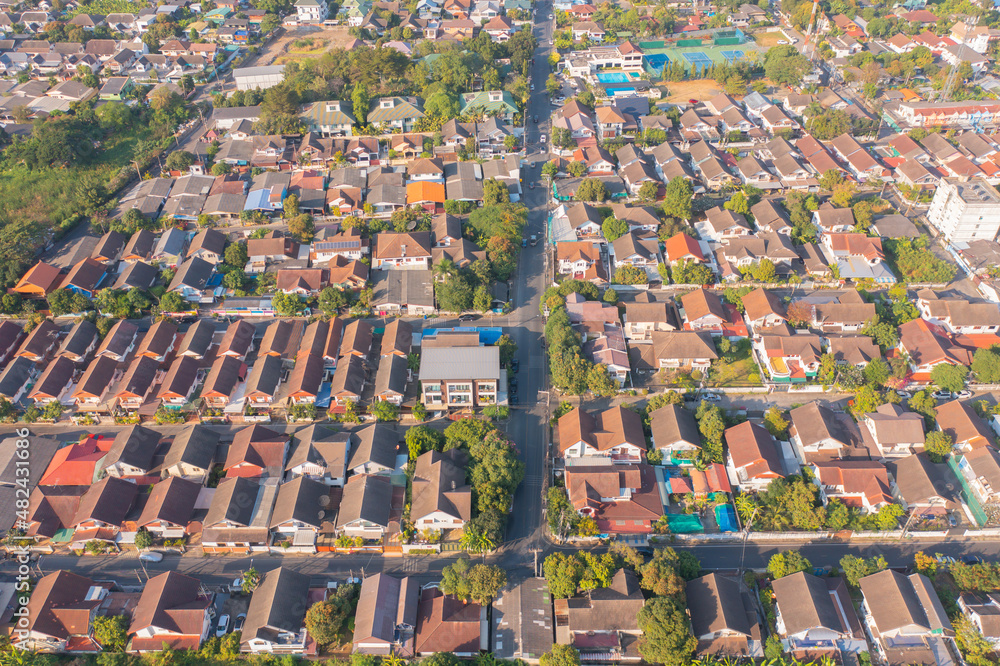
column 703, row 311
column 238, row 516
column 862, row 484
column 118, row 342
column 237, row 340
column 641, row 319
column 60, row 613
column 723, row 616
column 179, row 382
column 40, row 342
column 843, row 313
column 10, row 337
column 460, row 377
column 904, row 614
column 894, row 431
column 447, row 624
column 982, row 610
column 54, row 382
column 642, row 253
column 395, row 113
column 958, row 316
column 134, row 386
column 136, row 275
column 981, row 471
column 79, row 342
column 257, row 452
column 158, row 341
column 754, row 455
column 262, row 384
column 814, row 614
column 441, row 497
column 40, row 281
column 305, row 379
column 391, row 379
column 191, row 454
column 208, row 245
column 223, row 377
column 402, row 250
column 674, row 432
column 132, row 452
column 615, row 433
column 373, row 450
column 298, row 512
column 857, row 350
column 365, row 507
column 581, row 260
column 320, row 453
column 820, row 434
column 764, row 309
column 386, row 616
column 721, row 223
column 682, row 350
column 303, row 282
column 109, row 247
column 603, row 621
column 169, row 508
column 959, row 420
column 348, row 380
column 197, row 340
column 191, row 280
column 620, row 498
column 275, row 621
column 102, row 510
column 173, row 610
column 16, row 378
column 169, row 248
column 789, row 357
column 919, row 486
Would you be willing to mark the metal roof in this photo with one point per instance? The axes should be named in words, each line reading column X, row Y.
column 451, row 363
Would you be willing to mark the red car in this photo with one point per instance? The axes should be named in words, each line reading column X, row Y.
column 692, row 101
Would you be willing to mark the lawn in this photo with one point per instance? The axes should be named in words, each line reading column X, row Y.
column 736, row 367
column 768, row 39
column 699, row 89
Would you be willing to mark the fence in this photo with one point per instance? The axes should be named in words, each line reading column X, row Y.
column 970, row 498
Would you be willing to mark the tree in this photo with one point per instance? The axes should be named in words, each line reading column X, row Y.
column 855, row 568
column 843, row 194
column 677, row 199
column 360, row 103
column 785, row 66
column 648, row 191
column 111, row 632
column 666, row 633
column 173, row 302
column 302, row 227
column 286, row 305
column 250, row 581
column 143, row 539
column 561, row 514
column 599, row 381
column 613, row 229
column 485, row 581
column 221, row 168
column 688, row 271
column 660, row 575
column 949, row 377
column 975, row 649
column 563, row 574
column 326, row 619
column 495, row 192
column 610, row 296
column 877, row 372
column 986, row 365
column 421, row 439
column 180, row 160
column 830, row 179
column 508, row 348
column 629, row 274
column 560, row 655
column 938, row 445
column 591, row 189
column 786, row 563
column 738, row 203
column 455, row 579
column 481, row 299
column 764, row 271
column 384, row 411
column 236, row 255
column 776, row 423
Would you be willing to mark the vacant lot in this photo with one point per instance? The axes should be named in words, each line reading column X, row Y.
column 304, row 42
column 700, row 89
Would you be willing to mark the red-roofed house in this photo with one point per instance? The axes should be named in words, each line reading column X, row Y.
column 863, row 484
column 753, row 455
column 171, row 611
column 74, row 465
column 621, row 498
column 929, row 346
column 683, row 247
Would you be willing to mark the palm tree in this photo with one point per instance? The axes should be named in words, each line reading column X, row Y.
column 745, row 507
column 444, row 269
column 393, row 660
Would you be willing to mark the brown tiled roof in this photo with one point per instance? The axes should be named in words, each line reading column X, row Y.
column 282, row 338
column 302, row 500
column 603, row 431
column 391, row 245
column 158, row 339
column 702, row 303
column 446, row 624
column 171, row 500
column 224, row 375
column 139, row 376
column 172, row 602
column 961, row 422
column 258, row 446
column 439, row 485
column 753, row 447
column 683, row 345
column 761, row 303
column 58, row 605
column 397, row 338
column 107, row 501
column 237, row 339
column 180, row 377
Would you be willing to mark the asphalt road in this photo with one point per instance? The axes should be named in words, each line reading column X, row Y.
column 221, row 570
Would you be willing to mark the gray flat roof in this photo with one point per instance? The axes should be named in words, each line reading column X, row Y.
column 450, row 363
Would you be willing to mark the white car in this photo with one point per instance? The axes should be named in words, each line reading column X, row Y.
column 963, row 395
column 782, row 42
column 151, row 556
column 711, row 397
column 223, row 626
column 942, row 395
column 543, row 138
column 237, row 585
column 551, row 16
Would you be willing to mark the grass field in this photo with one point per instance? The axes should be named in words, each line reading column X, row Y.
column 322, row 40
column 768, row 39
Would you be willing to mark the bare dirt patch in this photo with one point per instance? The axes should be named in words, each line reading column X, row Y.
column 305, row 42
column 768, row 39
column 699, row 89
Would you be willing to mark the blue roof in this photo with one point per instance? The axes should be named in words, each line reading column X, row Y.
column 856, row 268
column 259, row 200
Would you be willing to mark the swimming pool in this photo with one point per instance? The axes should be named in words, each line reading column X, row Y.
column 613, row 77
column 726, row 517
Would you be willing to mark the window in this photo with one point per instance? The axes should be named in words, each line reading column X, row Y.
column 459, row 388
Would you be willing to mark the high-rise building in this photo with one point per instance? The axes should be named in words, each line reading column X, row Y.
column 965, row 209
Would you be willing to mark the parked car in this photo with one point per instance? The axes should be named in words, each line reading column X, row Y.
column 963, row 395
column 515, row 365
column 151, row 556
column 692, row 101
column 971, row 559
column 524, row 242
column 513, row 399
column 536, row 119
column 542, row 139
column 237, row 585
column 223, row 627
column 711, row 397
column 942, row 395
column 240, row 619
column 534, row 240
column 468, row 317
column 904, row 394
column 782, row 42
